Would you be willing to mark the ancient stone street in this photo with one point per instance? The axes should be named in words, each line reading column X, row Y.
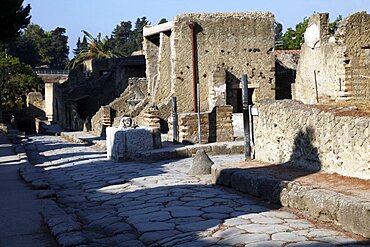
column 107, row 203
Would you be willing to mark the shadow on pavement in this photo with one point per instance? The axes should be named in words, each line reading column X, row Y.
column 169, row 208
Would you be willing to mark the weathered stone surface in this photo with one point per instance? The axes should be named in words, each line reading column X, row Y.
column 287, row 236
column 154, row 226
column 152, row 237
column 161, row 205
column 267, row 244
column 197, row 226
column 303, row 137
column 328, row 59
column 244, row 238
column 201, row 164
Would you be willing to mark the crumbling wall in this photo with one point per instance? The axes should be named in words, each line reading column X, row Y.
column 129, row 103
column 333, row 66
column 290, row 132
column 237, row 42
column 216, row 126
column 162, row 90
column 285, row 72
column 355, row 31
column 151, row 51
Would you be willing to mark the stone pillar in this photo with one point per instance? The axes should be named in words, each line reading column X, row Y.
column 152, row 120
column 106, row 116
column 50, row 101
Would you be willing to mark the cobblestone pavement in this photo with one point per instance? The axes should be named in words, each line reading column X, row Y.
column 138, row 204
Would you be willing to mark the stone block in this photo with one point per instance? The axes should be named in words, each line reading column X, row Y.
column 123, row 144
column 201, row 164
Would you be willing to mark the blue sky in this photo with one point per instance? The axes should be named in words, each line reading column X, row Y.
column 102, row 16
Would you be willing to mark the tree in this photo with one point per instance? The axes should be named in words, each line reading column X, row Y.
column 58, row 51
column 293, row 39
column 163, row 20
column 333, row 26
column 78, row 49
column 119, row 42
column 37, row 47
column 124, row 41
column 41, row 41
column 138, row 33
column 16, row 80
column 13, row 17
column 278, row 29
column 98, row 48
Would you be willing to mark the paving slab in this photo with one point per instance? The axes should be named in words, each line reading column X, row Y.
column 21, row 222
column 159, row 204
column 327, row 197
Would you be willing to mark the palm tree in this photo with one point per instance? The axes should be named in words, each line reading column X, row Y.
column 97, row 48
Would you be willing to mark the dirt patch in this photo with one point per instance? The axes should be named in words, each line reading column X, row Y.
column 352, row 108
column 349, row 186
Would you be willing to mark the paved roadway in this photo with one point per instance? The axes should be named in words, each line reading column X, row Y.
column 158, row 204
column 20, row 219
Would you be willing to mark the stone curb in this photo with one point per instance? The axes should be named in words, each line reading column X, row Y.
column 64, row 228
column 73, row 138
column 189, row 151
column 216, row 148
column 321, row 204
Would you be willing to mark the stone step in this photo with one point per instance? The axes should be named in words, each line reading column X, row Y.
column 351, row 212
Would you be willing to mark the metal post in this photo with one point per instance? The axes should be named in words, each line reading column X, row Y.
column 175, row 136
column 192, row 25
column 247, row 140
column 198, row 113
column 316, row 89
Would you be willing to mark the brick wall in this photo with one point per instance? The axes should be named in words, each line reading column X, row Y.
column 216, row 126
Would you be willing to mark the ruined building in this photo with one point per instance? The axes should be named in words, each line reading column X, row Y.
column 214, row 51
column 334, row 66
column 93, row 85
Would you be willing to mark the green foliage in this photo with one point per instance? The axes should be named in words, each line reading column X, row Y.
column 13, row 17
column 278, row 29
column 124, row 40
column 16, row 80
column 37, row 47
column 335, row 24
column 97, row 48
column 293, row 39
column 163, row 20
column 81, row 46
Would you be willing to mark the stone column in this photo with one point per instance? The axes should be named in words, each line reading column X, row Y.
column 50, row 101
column 153, row 121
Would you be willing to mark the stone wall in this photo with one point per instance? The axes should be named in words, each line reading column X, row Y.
column 219, row 65
column 285, row 72
column 336, row 62
column 129, row 104
column 216, row 126
column 248, row 49
column 162, row 90
column 151, row 51
column 107, row 81
column 290, row 132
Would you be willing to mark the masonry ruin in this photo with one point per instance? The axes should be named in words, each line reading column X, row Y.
column 218, row 66
column 334, row 66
